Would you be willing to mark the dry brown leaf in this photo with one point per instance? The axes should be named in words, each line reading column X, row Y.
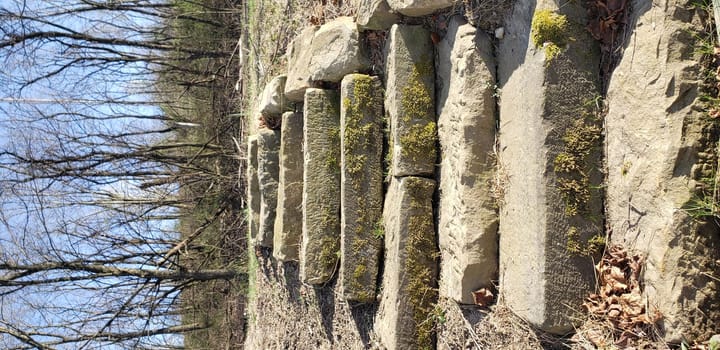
column 483, row 297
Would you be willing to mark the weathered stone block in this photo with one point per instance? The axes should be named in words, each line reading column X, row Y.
column 409, row 278
column 410, row 101
column 468, row 219
column 337, row 51
column 268, row 172
column 375, row 15
column 288, row 221
column 321, row 193
column 299, row 57
column 253, row 188
column 361, row 140
column 550, row 142
column 659, row 146
column 419, row 8
column 272, row 99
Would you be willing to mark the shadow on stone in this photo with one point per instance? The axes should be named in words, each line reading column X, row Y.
column 363, row 315
column 326, row 301
column 292, row 281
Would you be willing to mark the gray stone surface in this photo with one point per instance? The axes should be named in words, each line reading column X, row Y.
column 320, row 246
column 419, row 7
column 545, row 227
column 410, row 101
column 299, row 57
column 409, row 284
column 336, row 51
column 361, row 140
column 268, row 168
column 253, row 188
column 375, row 15
column 468, row 219
column 658, row 147
column 272, row 99
column 288, row 221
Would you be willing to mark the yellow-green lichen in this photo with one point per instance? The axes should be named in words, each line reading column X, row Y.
column 329, row 246
column 549, row 30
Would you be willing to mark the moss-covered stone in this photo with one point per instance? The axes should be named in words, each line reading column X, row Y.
column 410, row 102
column 362, row 145
column 405, row 318
column 321, row 191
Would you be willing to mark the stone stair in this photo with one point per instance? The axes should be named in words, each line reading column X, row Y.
column 476, row 164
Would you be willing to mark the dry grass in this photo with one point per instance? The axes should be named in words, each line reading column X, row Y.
column 487, row 14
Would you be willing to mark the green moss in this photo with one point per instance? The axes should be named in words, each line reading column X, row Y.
column 572, row 166
column 421, row 254
column 549, row 30
column 358, row 132
column 359, row 272
column 416, row 99
column 331, row 157
column 379, row 230
column 574, row 244
column 419, row 141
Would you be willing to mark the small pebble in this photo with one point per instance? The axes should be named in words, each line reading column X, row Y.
column 500, row 33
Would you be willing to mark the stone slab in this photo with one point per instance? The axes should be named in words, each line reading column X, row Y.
column 272, row 99
column 361, row 140
column 299, row 56
column 320, row 246
column 468, row 219
column 268, row 172
column 336, row 51
column 550, row 214
column 288, row 220
column 409, row 280
column 410, row 101
column 417, row 8
column 659, row 147
column 253, row 188
column 375, row 15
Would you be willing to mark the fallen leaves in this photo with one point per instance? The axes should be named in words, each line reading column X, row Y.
column 606, row 21
column 619, row 300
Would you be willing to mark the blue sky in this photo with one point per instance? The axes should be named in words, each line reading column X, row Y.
column 42, row 117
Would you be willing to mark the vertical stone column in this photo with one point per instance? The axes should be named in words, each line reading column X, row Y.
column 253, row 188
column 551, row 154
column 361, row 128
column 288, row 221
column 468, row 219
column 321, row 192
column 409, row 283
column 662, row 168
column 268, row 169
column 410, row 101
